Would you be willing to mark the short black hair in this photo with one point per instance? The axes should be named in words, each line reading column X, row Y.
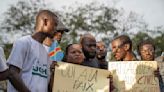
column 66, row 52
column 45, row 14
column 125, row 40
column 86, row 36
column 144, row 42
column 67, row 48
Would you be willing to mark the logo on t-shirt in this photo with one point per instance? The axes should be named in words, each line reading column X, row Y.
column 40, row 70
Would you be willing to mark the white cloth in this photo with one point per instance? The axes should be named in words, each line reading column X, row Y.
column 46, row 47
column 32, row 58
column 3, row 65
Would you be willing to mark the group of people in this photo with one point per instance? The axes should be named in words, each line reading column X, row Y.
column 29, row 69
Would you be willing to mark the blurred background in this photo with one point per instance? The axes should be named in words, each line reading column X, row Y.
column 140, row 19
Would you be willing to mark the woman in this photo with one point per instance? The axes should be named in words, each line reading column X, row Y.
column 74, row 54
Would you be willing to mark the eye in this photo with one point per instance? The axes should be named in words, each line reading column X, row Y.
column 73, row 52
column 80, row 52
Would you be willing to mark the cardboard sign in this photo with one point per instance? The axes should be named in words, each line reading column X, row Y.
column 77, row 78
column 134, row 76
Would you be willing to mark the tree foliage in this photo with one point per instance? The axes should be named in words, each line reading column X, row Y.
column 21, row 17
column 103, row 21
column 157, row 41
column 159, row 44
column 90, row 18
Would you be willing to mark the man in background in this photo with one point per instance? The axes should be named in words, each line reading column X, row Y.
column 101, row 54
column 88, row 43
column 146, row 50
column 57, row 36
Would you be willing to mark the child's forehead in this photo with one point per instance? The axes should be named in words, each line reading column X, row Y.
column 147, row 46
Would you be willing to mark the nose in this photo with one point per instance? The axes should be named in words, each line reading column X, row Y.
column 114, row 50
column 148, row 52
column 77, row 53
column 101, row 49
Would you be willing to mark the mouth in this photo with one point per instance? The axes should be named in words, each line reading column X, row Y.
column 92, row 53
column 149, row 57
column 77, row 57
column 116, row 55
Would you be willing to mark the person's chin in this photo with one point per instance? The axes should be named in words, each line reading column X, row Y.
column 92, row 56
column 117, row 58
column 99, row 56
column 150, row 59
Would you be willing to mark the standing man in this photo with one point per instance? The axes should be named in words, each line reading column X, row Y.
column 29, row 58
column 88, row 43
column 146, row 50
column 122, row 49
column 101, row 54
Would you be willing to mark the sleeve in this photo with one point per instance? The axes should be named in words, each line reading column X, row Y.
column 18, row 54
column 3, row 65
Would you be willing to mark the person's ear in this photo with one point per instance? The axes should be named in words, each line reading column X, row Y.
column 42, row 23
column 126, row 47
column 45, row 21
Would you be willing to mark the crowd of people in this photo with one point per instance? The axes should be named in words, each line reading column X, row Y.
column 29, row 69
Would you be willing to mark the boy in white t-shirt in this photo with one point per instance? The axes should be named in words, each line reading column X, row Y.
column 29, row 58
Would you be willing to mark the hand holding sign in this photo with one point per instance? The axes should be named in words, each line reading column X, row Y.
column 76, row 78
column 137, row 76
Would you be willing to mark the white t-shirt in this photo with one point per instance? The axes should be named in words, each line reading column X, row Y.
column 32, row 58
column 46, row 47
column 3, row 65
